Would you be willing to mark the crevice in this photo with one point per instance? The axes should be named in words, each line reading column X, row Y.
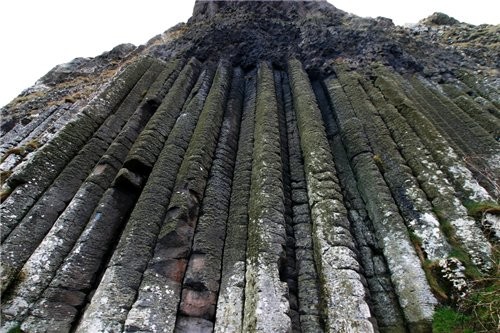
column 287, row 265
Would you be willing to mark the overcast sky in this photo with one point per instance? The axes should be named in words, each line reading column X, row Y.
column 36, row 35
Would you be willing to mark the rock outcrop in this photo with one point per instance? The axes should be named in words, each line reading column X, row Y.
column 277, row 166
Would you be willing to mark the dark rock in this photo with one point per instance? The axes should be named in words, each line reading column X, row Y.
column 439, row 19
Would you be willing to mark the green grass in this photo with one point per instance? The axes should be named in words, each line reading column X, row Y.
column 483, row 302
column 479, row 310
column 448, row 320
column 471, row 270
column 14, row 329
column 457, row 251
column 477, row 209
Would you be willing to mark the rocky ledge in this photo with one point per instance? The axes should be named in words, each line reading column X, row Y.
column 276, row 166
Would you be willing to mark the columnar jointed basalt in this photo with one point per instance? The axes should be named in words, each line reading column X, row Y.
column 333, row 243
column 229, row 315
column 266, row 305
column 267, row 167
column 123, row 275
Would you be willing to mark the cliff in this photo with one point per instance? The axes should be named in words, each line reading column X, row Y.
column 277, row 166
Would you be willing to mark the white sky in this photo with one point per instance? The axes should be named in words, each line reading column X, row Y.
column 36, row 35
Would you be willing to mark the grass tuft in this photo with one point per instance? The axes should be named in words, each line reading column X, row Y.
column 479, row 310
column 448, row 320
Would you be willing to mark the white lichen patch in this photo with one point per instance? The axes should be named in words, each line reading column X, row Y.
column 342, row 289
column 230, row 303
column 474, row 242
column 407, row 275
column 475, row 191
column 156, row 304
column 491, row 223
column 426, row 227
column 266, row 304
column 107, row 316
column 453, row 271
column 37, row 272
column 15, row 308
column 494, row 161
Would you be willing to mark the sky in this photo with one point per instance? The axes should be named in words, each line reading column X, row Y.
column 37, row 35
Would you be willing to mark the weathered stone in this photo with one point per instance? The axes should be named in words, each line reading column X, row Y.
column 445, row 200
column 229, row 316
column 23, row 240
column 137, row 242
column 304, row 184
column 63, row 147
column 412, row 201
column 177, row 230
column 193, row 325
column 146, row 149
column 417, row 304
column 383, row 302
column 337, row 281
column 266, row 306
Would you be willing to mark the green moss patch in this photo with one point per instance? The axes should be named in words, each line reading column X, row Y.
column 448, row 320
column 477, row 209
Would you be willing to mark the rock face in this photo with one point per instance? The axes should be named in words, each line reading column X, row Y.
column 266, row 167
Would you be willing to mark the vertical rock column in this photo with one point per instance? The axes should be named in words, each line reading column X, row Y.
column 118, row 287
column 474, row 141
column 464, row 131
column 290, row 272
column 468, row 233
column 157, row 303
column 229, row 315
column 407, row 275
column 266, row 305
column 148, row 146
column 341, row 282
column 479, row 112
column 201, row 281
column 411, row 200
column 383, row 299
column 390, row 84
column 307, row 275
column 39, row 173
column 44, row 262
column 28, row 234
column 60, row 303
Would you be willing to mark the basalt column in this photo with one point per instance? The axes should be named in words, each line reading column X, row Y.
column 266, row 305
